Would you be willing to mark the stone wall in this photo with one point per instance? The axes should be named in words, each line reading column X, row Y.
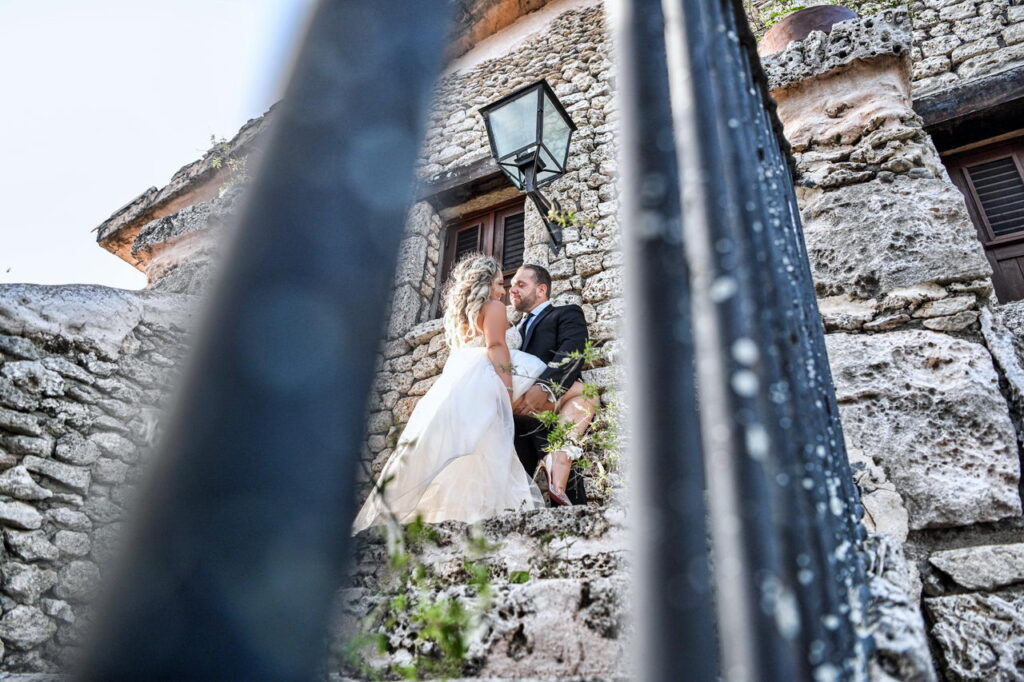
column 926, row 375
column 83, row 375
column 956, row 42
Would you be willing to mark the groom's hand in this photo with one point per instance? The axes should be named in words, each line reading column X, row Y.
column 533, row 401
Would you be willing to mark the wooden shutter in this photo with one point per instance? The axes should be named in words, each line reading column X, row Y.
column 467, row 241
column 513, row 242
column 992, row 182
column 1000, row 190
column 496, row 232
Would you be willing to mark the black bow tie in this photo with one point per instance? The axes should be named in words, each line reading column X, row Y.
column 526, row 320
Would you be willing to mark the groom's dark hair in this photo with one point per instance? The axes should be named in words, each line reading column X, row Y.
column 541, row 274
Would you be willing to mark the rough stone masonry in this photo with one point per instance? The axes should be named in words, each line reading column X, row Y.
column 920, row 360
column 929, row 371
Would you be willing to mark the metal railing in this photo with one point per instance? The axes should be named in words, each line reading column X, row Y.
column 782, row 506
column 244, row 540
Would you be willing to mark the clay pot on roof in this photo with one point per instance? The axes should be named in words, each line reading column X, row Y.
column 798, row 25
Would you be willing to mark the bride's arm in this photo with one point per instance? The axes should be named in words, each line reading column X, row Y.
column 495, row 325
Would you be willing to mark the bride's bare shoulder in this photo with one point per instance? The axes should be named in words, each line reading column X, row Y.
column 493, row 310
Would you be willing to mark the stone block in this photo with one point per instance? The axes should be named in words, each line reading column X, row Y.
column 959, row 11
column 27, row 582
column 75, row 449
column 25, row 627
column 33, row 378
column 884, row 511
column 946, row 306
column 13, row 397
column 974, row 49
column 26, row 445
column 1014, row 35
column 403, row 409
column 886, row 322
column 423, row 332
column 905, row 297
column 602, row 286
column 979, row 635
column 931, row 66
column 993, row 62
column 874, row 237
column 927, row 408
column 69, row 518
column 58, row 609
column 73, row 477
column 927, row 86
column 893, row 615
column 72, row 543
column 846, row 312
column 19, row 484
column 18, row 423
column 405, row 306
column 985, row 567
column 978, row 27
column 19, row 347
column 379, row 422
column 77, row 581
column 31, row 545
column 109, row 471
column 19, row 515
column 952, row 323
column 114, row 445
column 412, row 256
column 942, row 45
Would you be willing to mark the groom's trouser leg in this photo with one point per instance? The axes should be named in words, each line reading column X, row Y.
column 527, row 448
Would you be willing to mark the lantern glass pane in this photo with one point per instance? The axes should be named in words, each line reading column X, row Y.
column 514, row 124
column 514, row 174
column 555, row 133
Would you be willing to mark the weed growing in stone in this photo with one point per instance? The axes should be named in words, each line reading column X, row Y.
column 238, row 168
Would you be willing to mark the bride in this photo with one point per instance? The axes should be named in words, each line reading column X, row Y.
column 455, row 460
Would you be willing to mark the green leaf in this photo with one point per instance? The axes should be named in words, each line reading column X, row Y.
column 518, row 577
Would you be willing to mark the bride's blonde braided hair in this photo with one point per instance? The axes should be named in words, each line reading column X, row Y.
column 467, row 290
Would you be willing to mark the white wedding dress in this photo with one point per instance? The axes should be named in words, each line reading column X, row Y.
column 456, row 460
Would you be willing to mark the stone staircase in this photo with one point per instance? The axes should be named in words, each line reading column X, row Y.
column 537, row 595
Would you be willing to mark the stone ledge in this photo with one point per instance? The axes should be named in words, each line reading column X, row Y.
column 196, row 182
column 886, row 33
column 95, row 316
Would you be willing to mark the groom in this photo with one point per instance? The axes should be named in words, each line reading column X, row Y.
column 550, row 332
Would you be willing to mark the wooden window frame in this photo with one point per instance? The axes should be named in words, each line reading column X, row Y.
column 491, row 239
column 956, row 165
column 1000, row 250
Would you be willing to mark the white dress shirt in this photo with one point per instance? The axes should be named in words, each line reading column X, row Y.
column 533, row 319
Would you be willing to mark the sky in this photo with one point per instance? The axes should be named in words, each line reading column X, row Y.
column 102, row 99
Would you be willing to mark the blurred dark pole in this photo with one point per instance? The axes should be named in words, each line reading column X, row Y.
column 234, row 559
column 676, row 625
column 781, row 502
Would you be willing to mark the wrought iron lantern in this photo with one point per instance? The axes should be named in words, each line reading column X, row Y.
column 529, row 131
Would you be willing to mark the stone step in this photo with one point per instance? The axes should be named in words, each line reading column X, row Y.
column 572, row 678
column 541, row 629
column 556, row 543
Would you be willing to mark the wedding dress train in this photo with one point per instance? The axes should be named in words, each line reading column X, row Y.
column 455, row 459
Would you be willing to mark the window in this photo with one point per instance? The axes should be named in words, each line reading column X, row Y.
column 498, row 232
column 992, row 181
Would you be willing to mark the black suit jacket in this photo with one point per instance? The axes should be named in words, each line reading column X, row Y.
column 558, row 331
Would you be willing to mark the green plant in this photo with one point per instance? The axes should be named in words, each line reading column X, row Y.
column 238, row 167
column 570, row 219
column 600, row 441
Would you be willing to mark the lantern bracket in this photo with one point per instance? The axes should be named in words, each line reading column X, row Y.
column 529, row 163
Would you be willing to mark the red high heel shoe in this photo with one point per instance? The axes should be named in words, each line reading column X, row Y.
column 546, row 482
